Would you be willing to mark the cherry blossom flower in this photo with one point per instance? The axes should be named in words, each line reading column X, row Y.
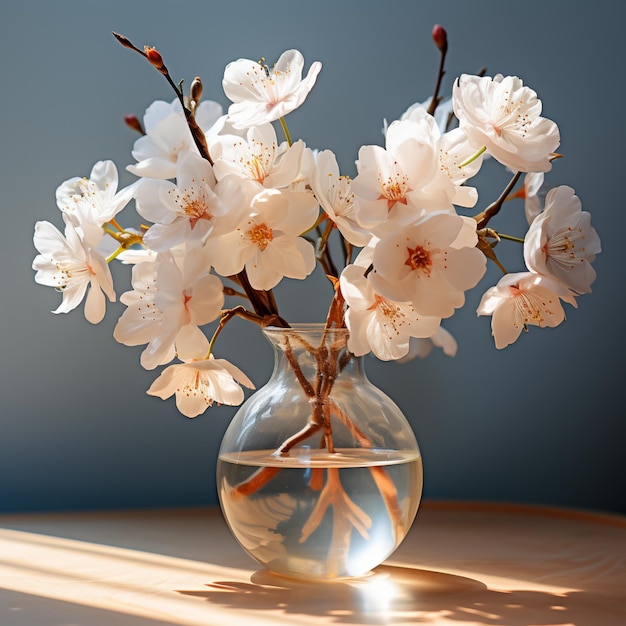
column 193, row 209
column 425, row 264
column 377, row 324
column 504, row 116
column 92, row 202
column 167, row 136
column 268, row 242
column 171, row 298
column 561, row 243
column 533, row 193
column 334, row 193
column 258, row 157
column 454, row 170
column 387, row 176
column 421, row 348
column 197, row 384
column 258, row 210
column 520, row 300
column 444, row 113
column 419, row 169
column 73, row 267
column 455, row 152
column 261, row 94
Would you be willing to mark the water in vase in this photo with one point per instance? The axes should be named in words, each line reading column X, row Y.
column 319, row 514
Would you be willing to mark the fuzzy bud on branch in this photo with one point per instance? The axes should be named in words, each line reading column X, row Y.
column 195, row 93
column 440, row 37
column 124, row 41
column 132, row 121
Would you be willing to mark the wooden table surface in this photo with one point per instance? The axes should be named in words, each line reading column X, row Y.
column 462, row 563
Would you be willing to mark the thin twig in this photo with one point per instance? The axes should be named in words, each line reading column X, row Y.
column 155, row 59
column 440, row 72
column 482, row 219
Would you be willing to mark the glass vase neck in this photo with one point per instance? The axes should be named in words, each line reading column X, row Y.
column 313, row 349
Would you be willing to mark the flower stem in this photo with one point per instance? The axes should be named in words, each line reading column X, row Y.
column 115, row 254
column 123, row 237
column 511, row 238
column 473, row 157
column 283, row 123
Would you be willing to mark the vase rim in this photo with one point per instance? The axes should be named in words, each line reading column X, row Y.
column 306, row 327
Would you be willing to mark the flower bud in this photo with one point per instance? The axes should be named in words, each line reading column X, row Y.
column 440, row 37
column 195, row 93
column 132, row 121
column 123, row 40
column 155, row 58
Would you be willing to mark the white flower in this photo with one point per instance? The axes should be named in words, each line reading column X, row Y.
column 92, row 202
column 171, row 298
column 167, row 136
column 455, row 153
column 193, row 209
column 454, row 150
column 421, row 348
column 258, row 157
column 132, row 256
column 533, row 193
column 197, row 384
column 72, row 266
column 334, row 193
column 523, row 299
column 261, row 94
column 503, row 115
column 387, row 176
column 424, row 263
column 419, row 169
column 561, row 242
column 268, row 243
column 444, row 113
column 377, row 324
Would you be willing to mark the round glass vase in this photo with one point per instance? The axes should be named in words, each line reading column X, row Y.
column 319, row 473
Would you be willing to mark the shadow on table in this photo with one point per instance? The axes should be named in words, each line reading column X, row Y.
column 394, row 594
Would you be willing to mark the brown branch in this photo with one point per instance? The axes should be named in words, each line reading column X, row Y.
column 384, row 483
column 351, row 426
column 441, row 40
column 323, row 252
column 229, row 291
column 389, row 494
column 255, row 482
column 299, row 374
column 308, row 431
column 155, row 59
column 263, row 302
column 482, row 219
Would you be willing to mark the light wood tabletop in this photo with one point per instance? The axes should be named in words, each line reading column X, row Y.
column 462, row 563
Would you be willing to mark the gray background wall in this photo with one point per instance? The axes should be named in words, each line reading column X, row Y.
column 542, row 421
